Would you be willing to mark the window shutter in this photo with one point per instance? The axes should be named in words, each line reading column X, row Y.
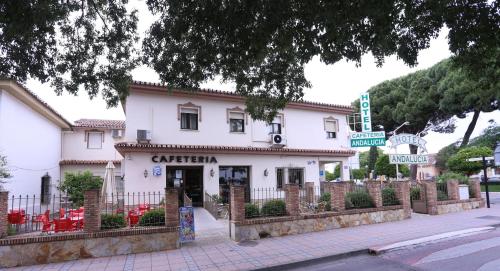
column 189, row 110
column 236, row 115
column 330, row 126
column 277, row 119
column 95, row 140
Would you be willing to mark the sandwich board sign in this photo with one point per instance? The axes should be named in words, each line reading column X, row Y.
column 366, row 138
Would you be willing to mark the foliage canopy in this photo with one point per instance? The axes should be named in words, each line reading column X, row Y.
column 75, row 184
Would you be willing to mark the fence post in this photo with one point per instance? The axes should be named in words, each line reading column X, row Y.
column 292, row 199
column 375, row 192
column 476, row 188
column 92, row 214
column 4, row 209
column 237, row 203
column 452, row 187
column 337, row 192
column 403, row 195
column 431, row 197
column 171, row 207
column 310, row 192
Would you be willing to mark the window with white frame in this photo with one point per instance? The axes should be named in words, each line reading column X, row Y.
column 236, row 122
column 331, row 128
column 94, row 140
column 275, row 126
column 189, row 119
column 296, row 176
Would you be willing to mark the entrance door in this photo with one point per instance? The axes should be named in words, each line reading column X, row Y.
column 189, row 180
column 233, row 175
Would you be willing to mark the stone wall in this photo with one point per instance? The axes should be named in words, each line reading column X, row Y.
column 65, row 247
column 453, row 206
column 253, row 229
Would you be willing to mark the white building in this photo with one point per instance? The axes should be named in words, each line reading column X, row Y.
column 31, row 138
column 201, row 140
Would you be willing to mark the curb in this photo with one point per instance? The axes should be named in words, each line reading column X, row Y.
column 428, row 239
column 314, row 260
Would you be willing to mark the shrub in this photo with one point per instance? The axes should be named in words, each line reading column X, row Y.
column 154, row 217
column 453, row 176
column 275, row 207
column 112, row 221
column 325, row 200
column 389, row 197
column 251, row 210
column 75, row 184
column 441, row 195
column 415, row 193
column 358, row 200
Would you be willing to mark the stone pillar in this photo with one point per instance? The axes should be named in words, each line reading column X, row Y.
column 310, row 192
column 431, row 197
column 337, row 192
column 476, row 188
column 92, row 214
column 4, row 210
column 237, row 203
column 171, row 207
column 403, row 195
column 375, row 192
column 292, row 199
column 452, row 187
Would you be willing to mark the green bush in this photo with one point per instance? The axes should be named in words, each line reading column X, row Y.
column 275, row 207
column 75, row 184
column 112, row 221
column 358, row 200
column 154, row 217
column 251, row 210
column 415, row 193
column 462, row 179
column 325, row 200
column 389, row 197
column 441, row 195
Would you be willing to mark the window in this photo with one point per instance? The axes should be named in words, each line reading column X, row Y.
column 296, row 176
column 189, row 119
column 236, row 122
column 233, row 175
column 275, row 126
column 94, row 140
column 120, row 185
column 280, row 178
column 331, row 128
column 45, row 190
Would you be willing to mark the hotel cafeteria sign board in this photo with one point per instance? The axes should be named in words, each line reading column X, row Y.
column 186, row 221
column 408, row 159
column 366, row 138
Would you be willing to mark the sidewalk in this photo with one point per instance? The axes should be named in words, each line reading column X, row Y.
column 217, row 252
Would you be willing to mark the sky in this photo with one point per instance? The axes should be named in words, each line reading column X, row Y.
column 340, row 83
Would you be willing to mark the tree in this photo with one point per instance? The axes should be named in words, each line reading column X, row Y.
column 75, row 184
column 329, row 176
column 444, row 155
column 4, row 170
column 383, row 167
column 488, row 138
column 263, row 45
column 74, row 45
column 336, row 172
column 358, row 174
column 373, row 154
column 458, row 162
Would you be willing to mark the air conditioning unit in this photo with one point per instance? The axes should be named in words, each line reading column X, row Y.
column 278, row 140
column 116, row 133
column 143, row 136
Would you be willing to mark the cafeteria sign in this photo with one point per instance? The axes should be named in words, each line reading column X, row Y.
column 367, row 139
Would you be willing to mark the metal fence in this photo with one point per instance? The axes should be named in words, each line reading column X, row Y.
column 314, row 200
column 389, row 196
column 215, row 206
column 133, row 210
column 31, row 214
column 442, row 191
column 357, row 197
column 265, row 202
column 416, row 191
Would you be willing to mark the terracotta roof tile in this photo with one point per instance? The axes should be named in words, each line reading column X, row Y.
column 100, row 123
column 313, row 105
column 133, row 147
column 87, row 162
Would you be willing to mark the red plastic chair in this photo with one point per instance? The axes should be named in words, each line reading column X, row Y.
column 47, row 224
column 16, row 217
column 133, row 218
column 63, row 224
column 62, row 213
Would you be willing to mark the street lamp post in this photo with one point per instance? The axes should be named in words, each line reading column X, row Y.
column 485, row 166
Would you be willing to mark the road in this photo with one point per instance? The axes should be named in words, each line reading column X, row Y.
column 479, row 252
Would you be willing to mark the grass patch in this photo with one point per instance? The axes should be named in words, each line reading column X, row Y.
column 491, row 188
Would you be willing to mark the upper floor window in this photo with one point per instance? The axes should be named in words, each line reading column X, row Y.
column 236, row 122
column 275, row 126
column 331, row 127
column 189, row 119
column 94, row 140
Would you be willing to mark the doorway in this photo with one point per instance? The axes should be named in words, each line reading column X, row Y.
column 188, row 180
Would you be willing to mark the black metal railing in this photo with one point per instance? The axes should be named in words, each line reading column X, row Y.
column 442, row 191
column 357, row 197
column 313, row 199
column 265, row 202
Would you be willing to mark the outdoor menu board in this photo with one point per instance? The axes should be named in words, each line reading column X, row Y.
column 186, row 220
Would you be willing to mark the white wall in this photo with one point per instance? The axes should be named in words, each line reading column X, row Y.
column 158, row 113
column 136, row 163
column 31, row 143
column 75, row 146
column 97, row 170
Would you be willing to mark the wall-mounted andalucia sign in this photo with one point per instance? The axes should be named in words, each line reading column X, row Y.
column 366, row 138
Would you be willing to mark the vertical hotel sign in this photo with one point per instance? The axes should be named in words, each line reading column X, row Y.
column 366, row 119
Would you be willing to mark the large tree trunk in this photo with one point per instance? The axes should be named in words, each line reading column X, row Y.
column 470, row 129
column 413, row 168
